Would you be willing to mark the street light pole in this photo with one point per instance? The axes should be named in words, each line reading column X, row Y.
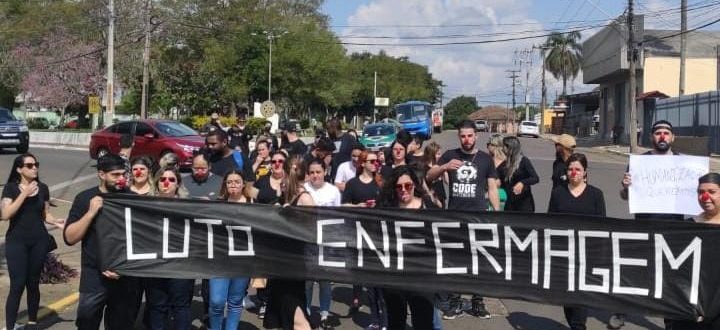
column 109, row 89
column 270, row 37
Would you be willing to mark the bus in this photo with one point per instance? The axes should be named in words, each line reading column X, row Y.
column 415, row 117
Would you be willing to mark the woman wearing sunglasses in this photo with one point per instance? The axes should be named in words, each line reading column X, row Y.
column 404, row 190
column 25, row 202
column 270, row 187
column 169, row 296
column 140, row 168
column 229, row 291
column 363, row 189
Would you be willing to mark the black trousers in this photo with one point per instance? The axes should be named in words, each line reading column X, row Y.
column 421, row 309
column 117, row 300
column 25, row 260
column 576, row 317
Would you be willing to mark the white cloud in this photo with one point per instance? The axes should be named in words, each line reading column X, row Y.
column 477, row 69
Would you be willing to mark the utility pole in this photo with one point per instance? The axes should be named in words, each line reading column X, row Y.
column 683, row 44
column 109, row 89
column 543, row 98
column 513, row 76
column 631, row 55
column 146, row 63
column 374, row 97
column 527, row 91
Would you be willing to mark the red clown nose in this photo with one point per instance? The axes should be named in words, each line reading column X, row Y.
column 573, row 173
column 705, row 197
column 121, row 183
column 166, row 183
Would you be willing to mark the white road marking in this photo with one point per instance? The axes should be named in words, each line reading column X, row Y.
column 65, row 184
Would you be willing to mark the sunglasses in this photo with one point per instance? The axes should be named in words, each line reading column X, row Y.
column 31, row 165
column 407, row 186
column 167, row 179
column 277, row 161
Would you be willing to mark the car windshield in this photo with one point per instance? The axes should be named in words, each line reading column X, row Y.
column 411, row 112
column 174, row 129
column 6, row 116
column 529, row 123
column 378, row 130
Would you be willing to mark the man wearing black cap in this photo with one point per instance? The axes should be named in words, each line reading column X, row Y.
column 239, row 139
column 100, row 290
column 662, row 139
column 294, row 146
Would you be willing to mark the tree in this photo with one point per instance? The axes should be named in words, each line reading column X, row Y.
column 565, row 56
column 458, row 109
column 60, row 71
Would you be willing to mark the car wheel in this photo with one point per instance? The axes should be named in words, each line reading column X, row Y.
column 23, row 148
column 102, row 152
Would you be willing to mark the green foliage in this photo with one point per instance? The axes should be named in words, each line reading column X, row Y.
column 458, row 109
column 565, row 57
column 255, row 125
column 198, row 122
column 305, row 123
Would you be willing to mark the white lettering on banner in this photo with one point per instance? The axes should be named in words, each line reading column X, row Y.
column 618, row 262
column 663, row 250
column 439, row 246
column 129, row 238
column 210, row 223
column 530, row 239
column 476, row 245
column 166, row 238
column 321, row 244
column 604, row 273
column 569, row 254
column 363, row 235
column 231, row 241
column 400, row 241
column 464, row 190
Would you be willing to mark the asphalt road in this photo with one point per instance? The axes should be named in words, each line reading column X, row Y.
column 68, row 172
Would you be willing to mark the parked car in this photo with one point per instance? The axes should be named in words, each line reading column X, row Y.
column 481, row 126
column 153, row 138
column 529, row 128
column 14, row 133
column 378, row 135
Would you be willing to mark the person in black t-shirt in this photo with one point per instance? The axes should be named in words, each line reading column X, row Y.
column 577, row 197
column 470, row 171
column 343, row 145
column 662, row 139
column 101, row 291
column 363, row 189
column 223, row 159
column 294, row 146
column 25, row 203
column 239, row 138
column 516, row 176
column 564, row 147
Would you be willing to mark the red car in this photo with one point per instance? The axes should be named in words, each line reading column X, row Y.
column 153, row 138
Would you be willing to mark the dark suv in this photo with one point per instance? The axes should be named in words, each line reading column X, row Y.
column 13, row 132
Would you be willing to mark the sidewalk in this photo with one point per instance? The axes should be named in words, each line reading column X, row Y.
column 596, row 145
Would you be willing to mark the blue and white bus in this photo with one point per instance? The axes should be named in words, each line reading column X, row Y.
column 415, row 117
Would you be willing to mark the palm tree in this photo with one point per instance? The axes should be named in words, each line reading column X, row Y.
column 565, row 57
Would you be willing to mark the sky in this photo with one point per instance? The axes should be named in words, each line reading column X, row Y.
column 480, row 70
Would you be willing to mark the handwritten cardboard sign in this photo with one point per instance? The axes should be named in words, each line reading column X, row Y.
column 666, row 184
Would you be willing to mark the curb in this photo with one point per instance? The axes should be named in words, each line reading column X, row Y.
column 58, row 146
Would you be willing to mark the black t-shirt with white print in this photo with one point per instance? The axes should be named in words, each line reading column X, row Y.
column 468, row 183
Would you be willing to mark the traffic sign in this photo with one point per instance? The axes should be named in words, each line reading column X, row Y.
column 94, row 104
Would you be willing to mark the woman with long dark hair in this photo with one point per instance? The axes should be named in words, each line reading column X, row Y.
column 517, row 174
column 578, row 197
column 25, row 202
column 169, row 296
column 229, row 291
column 430, row 158
column 404, row 190
column 270, row 187
column 287, row 306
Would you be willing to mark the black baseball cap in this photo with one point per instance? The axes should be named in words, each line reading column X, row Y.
column 110, row 162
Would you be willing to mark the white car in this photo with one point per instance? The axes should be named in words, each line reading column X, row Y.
column 529, row 128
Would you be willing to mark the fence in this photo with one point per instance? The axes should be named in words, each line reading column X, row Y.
column 691, row 115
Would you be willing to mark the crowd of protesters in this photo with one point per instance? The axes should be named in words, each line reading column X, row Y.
column 335, row 170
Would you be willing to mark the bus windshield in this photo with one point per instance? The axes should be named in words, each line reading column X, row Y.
column 411, row 112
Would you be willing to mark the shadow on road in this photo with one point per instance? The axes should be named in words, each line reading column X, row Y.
column 525, row 321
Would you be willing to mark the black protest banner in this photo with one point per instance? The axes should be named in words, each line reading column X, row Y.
column 663, row 268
